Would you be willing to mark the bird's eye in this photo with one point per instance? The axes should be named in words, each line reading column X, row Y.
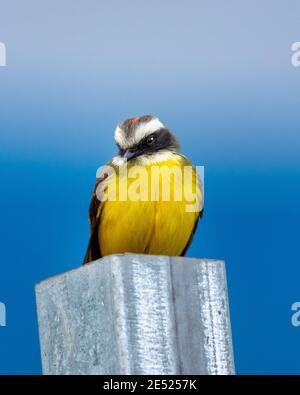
column 150, row 140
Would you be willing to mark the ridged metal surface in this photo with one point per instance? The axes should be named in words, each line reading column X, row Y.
column 136, row 314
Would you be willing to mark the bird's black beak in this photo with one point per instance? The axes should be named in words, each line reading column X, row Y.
column 129, row 154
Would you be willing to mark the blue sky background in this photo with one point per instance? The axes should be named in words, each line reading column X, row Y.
column 219, row 74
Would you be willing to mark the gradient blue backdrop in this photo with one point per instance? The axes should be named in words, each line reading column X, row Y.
column 219, row 74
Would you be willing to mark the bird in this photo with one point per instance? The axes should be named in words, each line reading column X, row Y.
column 144, row 225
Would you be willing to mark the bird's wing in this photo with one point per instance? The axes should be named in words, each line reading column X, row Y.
column 199, row 216
column 193, row 233
column 93, row 251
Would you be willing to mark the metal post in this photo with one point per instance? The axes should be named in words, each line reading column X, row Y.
column 136, row 314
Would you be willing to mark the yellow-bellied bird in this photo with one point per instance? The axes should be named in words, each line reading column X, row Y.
column 155, row 213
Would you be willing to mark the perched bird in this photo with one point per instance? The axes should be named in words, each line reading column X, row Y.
column 156, row 217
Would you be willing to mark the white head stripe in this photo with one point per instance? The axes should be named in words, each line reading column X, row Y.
column 120, row 138
column 146, row 128
column 142, row 130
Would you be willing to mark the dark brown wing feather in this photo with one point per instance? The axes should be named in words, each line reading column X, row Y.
column 192, row 234
column 93, row 251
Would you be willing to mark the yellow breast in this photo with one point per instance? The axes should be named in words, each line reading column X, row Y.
column 150, row 208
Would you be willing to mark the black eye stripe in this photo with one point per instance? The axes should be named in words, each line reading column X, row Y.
column 121, row 150
column 163, row 139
